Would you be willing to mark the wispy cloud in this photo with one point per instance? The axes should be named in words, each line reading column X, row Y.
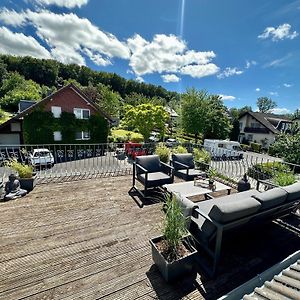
column 257, row 89
column 230, row 72
column 250, row 63
column 280, row 33
column 227, row 97
column 273, row 94
column 287, row 85
column 280, row 111
column 279, row 62
column 170, row 78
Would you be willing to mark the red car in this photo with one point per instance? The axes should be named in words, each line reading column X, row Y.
column 133, row 150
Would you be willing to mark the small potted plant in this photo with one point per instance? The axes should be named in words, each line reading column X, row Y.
column 212, row 173
column 26, row 175
column 172, row 252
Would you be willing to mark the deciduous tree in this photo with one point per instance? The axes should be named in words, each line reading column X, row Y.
column 265, row 104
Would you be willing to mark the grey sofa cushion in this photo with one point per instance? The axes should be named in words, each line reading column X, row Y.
column 150, row 162
column 271, row 198
column 186, row 205
column 191, row 172
column 227, row 211
column 202, row 229
column 185, row 158
column 155, row 179
column 293, row 191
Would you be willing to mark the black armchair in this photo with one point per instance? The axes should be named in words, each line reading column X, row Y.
column 184, row 166
column 151, row 173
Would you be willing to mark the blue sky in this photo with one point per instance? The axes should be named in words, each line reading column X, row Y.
column 239, row 49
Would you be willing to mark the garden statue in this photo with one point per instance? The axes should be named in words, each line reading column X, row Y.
column 12, row 188
column 243, row 184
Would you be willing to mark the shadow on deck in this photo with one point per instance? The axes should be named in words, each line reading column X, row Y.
column 89, row 240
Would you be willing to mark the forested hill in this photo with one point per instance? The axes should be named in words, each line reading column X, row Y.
column 52, row 73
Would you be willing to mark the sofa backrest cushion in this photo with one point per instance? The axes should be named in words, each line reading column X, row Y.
column 184, row 158
column 150, row 162
column 228, row 211
column 293, row 191
column 271, row 198
column 186, row 205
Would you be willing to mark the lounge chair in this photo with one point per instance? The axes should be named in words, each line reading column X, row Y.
column 184, row 166
column 212, row 218
column 151, row 173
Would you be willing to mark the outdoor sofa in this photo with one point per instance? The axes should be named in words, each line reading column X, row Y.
column 209, row 220
column 184, row 166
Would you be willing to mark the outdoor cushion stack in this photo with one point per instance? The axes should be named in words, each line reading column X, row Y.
column 227, row 209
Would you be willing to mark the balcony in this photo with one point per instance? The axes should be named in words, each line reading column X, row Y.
column 256, row 130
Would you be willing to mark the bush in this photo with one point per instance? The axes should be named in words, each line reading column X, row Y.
column 121, row 136
column 24, row 171
column 245, row 147
column 284, row 179
column 163, row 152
column 180, row 149
column 267, row 170
column 255, row 147
column 202, row 155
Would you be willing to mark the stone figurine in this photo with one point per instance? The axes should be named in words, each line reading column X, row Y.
column 13, row 189
column 243, row 184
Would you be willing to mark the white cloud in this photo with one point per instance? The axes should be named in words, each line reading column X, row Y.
column 11, row 17
column 229, row 72
column 250, row 63
column 227, row 97
column 170, row 78
column 69, row 37
column 273, row 93
column 280, row 33
column 287, row 85
column 20, row 44
column 278, row 62
column 140, row 79
column 257, row 89
column 62, row 3
column 280, row 111
column 168, row 53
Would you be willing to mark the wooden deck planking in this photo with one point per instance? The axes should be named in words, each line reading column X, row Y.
column 71, row 241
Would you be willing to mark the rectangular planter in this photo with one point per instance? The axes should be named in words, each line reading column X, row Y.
column 28, row 184
column 174, row 270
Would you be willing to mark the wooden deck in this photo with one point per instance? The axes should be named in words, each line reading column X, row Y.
column 89, row 240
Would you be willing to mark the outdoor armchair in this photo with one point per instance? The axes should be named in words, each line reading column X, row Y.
column 151, row 173
column 184, row 166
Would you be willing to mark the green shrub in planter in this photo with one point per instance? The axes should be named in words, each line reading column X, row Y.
column 267, row 170
column 163, row 152
column 179, row 149
column 284, row 179
column 255, row 147
column 202, row 155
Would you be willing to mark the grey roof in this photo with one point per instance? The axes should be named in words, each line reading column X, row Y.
column 286, row 285
column 268, row 120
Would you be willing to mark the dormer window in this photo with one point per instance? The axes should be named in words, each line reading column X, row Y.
column 81, row 113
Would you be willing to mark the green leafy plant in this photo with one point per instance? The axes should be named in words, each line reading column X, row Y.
column 201, row 155
column 24, row 171
column 267, row 170
column 122, row 135
column 179, row 149
column 174, row 229
column 163, row 152
column 284, row 179
column 255, row 147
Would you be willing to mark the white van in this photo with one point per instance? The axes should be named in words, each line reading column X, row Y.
column 41, row 157
column 223, row 149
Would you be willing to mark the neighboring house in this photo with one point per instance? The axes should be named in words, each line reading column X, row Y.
column 262, row 128
column 68, row 99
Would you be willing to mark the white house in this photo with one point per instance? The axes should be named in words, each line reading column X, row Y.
column 262, row 128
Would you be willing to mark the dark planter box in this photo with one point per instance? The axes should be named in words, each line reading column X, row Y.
column 174, row 270
column 28, row 184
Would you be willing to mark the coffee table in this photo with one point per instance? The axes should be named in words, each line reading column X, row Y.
column 188, row 189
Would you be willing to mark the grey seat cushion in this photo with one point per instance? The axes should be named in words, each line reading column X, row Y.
column 185, row 158
column 271, row 198
column 202, row 229
column 227, row 211
column 186, row 205
column 155, row 179
column 150, row 162
column 191, row 172
column 293, row 191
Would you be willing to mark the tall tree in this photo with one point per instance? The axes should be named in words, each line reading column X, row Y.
column 145, row 118
column 265, row 104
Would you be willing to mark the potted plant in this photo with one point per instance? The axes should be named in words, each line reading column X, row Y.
column 172, row 252
column 26, row 175
column 212, row 173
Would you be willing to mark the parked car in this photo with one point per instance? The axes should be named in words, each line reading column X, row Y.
column 41, row 157
column 172, row 143
column 154, row 137
column 223, row 149
column 132, row 150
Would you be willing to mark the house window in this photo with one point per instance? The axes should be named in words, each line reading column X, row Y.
column 56, row 111
column 82, row 135
column 57, row 136
column 255, row 125
column 15, row 127
column 81, row 113
column 241, row 125
column 250, row 137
